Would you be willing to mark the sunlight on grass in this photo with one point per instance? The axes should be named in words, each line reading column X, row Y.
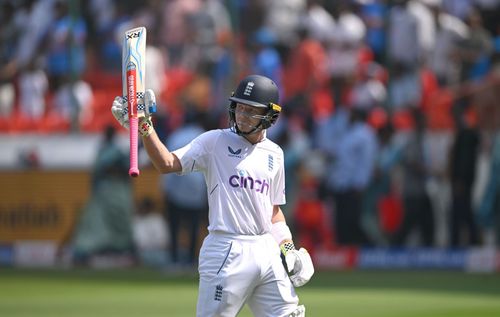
column 137, row 293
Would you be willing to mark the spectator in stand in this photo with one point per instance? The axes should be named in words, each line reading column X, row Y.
column 405, row 52
column 35, row 18
column 318, row 21
column 369, row 91
column 266, row 59
column 283, row 18
column 449, row 30
column 373, row 15
column 404, row 88
column 439, row 142
column 66, row 62
column 296, row 143
column 174, row 27
column 151, row 236
column 65, row 45
column 312, row 221
column 334, row 125
column 108, row 35
column 463, row 159
column 489, row 211
column 208, row 26
column 349, row 175
column 8, row 64
column 105, row 227
column 344, row 46
column 250, row 15
column 381, row 187
column 426, row 29
column 475, row 50
column 185, row 197
column 304, row 73
column 33, row 87
column 418, row 212
column 402, row 32
column 73, row 99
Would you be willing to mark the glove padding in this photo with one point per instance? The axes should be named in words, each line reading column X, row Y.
column 300, row 266
column 119, row 109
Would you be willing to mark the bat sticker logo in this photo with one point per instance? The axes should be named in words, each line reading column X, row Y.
column 133, row 35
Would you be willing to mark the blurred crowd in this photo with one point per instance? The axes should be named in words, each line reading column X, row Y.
column 390, row 123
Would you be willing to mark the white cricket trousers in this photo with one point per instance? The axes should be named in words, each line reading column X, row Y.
column 236, row 269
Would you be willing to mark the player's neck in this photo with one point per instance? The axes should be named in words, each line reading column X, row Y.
column 255, row 138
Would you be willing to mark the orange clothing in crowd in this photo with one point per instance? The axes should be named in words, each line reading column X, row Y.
column 305, row 70
column 311, row 219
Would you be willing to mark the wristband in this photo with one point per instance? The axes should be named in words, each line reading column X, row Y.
column 281, row 232
column 145, row 127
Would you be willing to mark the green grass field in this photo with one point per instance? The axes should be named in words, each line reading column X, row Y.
column 124, row 293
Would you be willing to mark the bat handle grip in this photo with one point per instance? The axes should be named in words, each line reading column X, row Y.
column 134, row 169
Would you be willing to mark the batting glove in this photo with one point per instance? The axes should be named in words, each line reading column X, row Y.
column 298, row 262
column 146, row 108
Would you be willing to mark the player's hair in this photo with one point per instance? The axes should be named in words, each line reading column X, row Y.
column 256, row 91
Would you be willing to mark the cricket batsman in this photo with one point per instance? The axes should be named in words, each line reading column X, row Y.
column 241, row 258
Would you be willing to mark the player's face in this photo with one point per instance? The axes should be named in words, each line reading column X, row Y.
column 248, row 117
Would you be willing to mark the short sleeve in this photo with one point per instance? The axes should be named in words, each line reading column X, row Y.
column 195, row 156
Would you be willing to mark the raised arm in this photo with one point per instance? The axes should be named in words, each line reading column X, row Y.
column 163, row 160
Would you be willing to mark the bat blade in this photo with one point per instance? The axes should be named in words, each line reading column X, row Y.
column 133, row 86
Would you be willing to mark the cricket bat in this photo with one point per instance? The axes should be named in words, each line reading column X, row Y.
column 133, row 86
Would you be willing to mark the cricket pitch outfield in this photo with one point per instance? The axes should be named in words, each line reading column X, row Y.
column 139, row 292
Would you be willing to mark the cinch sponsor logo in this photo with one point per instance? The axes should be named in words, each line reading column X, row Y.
column 260, row 186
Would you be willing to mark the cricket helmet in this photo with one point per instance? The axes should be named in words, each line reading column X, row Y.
column 256, row 91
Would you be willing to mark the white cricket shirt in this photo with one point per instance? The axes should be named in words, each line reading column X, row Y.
column 244, row 180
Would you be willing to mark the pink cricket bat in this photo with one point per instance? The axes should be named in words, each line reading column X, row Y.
column 133, row 86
